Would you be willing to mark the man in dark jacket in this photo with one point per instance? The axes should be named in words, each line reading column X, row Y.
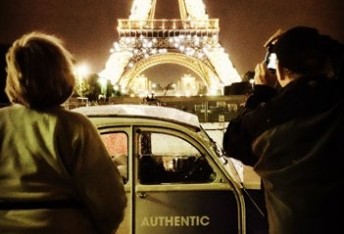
column 292, row 134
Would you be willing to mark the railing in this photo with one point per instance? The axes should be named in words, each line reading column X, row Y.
column 211, row 25
column 207, row 108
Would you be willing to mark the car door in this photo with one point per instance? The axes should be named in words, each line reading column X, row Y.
column 179, row 188
column 118, row 142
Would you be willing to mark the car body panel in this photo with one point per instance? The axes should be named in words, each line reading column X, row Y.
column 176, row 179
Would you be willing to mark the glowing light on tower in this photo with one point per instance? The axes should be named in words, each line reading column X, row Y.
column 143, row 38
column 196, row 10
column 140, row 9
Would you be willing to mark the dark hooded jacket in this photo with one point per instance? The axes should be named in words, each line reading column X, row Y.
column 293, row 139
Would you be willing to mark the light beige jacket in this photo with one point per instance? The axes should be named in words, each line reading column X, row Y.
column 56, row 175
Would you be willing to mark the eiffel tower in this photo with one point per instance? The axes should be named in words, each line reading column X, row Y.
column 191, row 41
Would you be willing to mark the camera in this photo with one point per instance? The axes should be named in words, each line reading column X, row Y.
column 270, row 57
column 271, row 61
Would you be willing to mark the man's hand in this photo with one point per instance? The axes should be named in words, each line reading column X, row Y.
column 264, row 77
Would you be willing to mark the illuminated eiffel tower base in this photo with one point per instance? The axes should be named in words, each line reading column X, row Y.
column 191, row 41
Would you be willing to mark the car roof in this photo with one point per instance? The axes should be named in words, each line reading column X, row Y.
column 147, row 111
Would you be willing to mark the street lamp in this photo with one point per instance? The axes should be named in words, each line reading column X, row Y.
column 82, row 71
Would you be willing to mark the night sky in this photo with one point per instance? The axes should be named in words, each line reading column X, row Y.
column 88, row 27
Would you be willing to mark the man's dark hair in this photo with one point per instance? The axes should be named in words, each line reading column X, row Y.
column 300, row 50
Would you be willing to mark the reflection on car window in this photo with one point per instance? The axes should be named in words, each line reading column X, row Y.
column 117, row 145
column 165, row 158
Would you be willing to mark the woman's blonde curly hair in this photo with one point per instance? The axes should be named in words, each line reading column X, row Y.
column 40, row 71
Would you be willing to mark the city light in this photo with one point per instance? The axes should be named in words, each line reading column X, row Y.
column 82, row 70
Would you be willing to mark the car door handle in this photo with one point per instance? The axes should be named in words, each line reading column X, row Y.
column 142, row 194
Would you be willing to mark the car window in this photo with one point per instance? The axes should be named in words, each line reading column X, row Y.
column 165, row 158
column 117, row 145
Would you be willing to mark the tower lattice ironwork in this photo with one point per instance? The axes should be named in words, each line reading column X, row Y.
column 191, row 41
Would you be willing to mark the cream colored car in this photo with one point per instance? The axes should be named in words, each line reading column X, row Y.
column 176, row 177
